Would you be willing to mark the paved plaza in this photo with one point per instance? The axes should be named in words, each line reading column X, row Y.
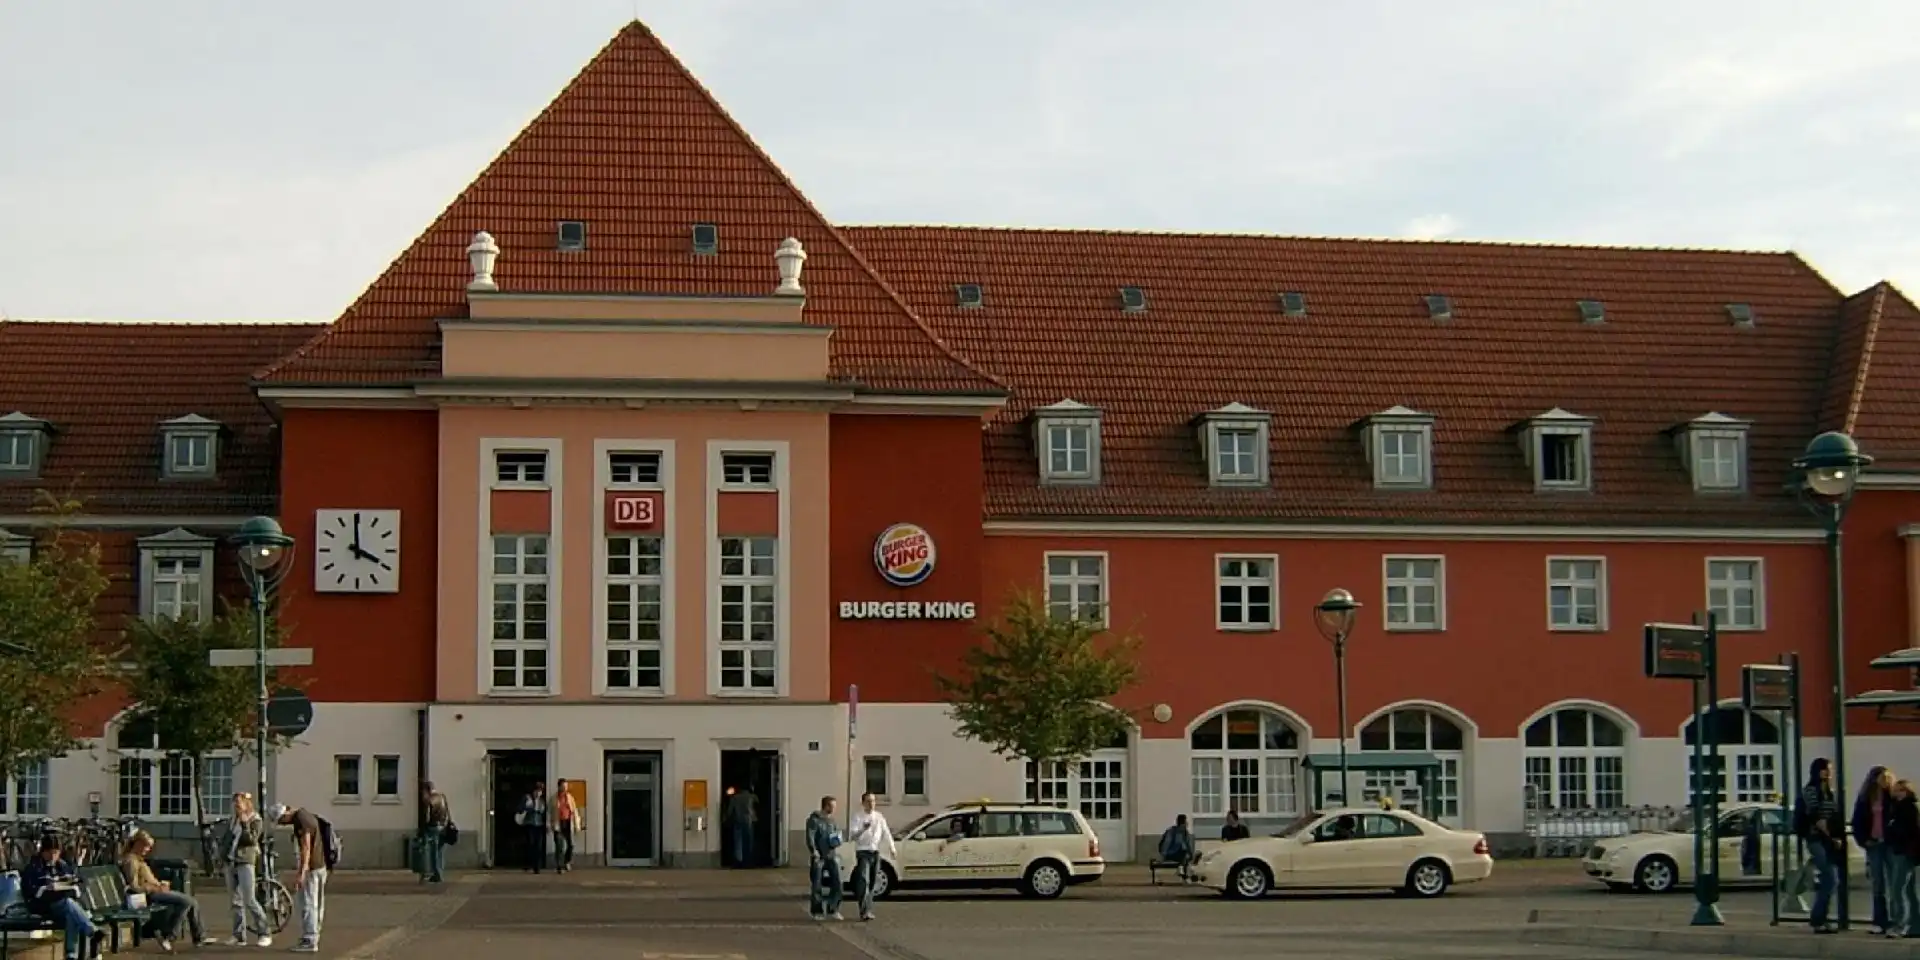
column 1532, row 909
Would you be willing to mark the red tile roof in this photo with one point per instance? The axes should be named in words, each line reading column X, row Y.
column 1214, row 333
column 640, row 151
column 1882, row 363
column 106, row 388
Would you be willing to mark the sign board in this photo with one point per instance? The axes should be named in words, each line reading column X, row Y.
column 289, row 713
column 577, row 789
column 1676, row 651
column 904, row 554
column 633, row 511
column 693, row 795
column 907, row 610
column 278, row 657
column 1766, row 686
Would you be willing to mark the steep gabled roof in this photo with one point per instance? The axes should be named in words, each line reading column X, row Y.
column 637, row 149
column 1883, row 368
column 107, row 387
column 1214, row 331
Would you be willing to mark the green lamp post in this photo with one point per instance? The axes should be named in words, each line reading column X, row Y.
column 265, row 557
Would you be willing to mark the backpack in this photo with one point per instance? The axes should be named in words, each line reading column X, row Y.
column 1802, row 819
column 329, row 842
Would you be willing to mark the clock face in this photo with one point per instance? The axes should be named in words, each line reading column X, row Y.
column 356, row 551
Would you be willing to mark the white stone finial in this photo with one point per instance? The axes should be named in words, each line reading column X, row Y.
column 789, row 256
column 481, row 253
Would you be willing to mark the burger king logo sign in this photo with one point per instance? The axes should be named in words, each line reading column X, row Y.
column 904, row 554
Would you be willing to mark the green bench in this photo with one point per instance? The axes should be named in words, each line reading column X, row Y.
column 103, row 894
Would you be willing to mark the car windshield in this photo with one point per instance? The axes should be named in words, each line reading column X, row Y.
column 1682, row 823
column 917, row 823
column 1306, row 820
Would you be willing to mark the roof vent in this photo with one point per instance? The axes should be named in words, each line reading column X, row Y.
column 789, row 256
column 1133, row 299
column 573, row 235
column 967, row 294
column 481, row 254
column 706, row 239
column 1742, row 315
column 1593, row 311
column 1293, row 304
column 1439, row 306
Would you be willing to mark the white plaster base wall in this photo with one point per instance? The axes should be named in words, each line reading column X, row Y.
column 373, row 828
column 689, row 738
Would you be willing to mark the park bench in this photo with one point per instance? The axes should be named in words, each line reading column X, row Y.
column 1155, row 865
column 102, row 893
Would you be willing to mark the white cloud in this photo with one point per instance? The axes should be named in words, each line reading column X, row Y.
column 1434, row 226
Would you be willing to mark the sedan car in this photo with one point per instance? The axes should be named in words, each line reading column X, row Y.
column 1661, row 861
column 1349, row 849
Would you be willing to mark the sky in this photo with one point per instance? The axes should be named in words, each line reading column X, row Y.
column 247, row 160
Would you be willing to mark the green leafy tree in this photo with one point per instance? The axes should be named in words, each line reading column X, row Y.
column 1042, row 689
column 195, row 708
column 52, row 651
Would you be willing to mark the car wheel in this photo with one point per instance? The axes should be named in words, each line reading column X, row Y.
column 1248, row 880
column 883, row 882
column 1046, row 880
column 1656, row 874
column 1428, row 878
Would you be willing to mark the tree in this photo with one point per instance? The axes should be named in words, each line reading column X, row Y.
column 1041, row 689
column 195, row 708
column 52, row 652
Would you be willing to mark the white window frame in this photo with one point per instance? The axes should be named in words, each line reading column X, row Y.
column 342, row 762
column 1448, row 794
column 1066, row 415
column 1747, row 760
column 745, row 582
column 13, row 791
column 34, row 439
column 1270, row 579
column 15, row 548
column 547, row 469
column 926, row 773
column 1598, row 585
column 487, row 472
column 1272, row 768
column 1388, row 583
column 399, row 779
column 1759, row 586
column 782, row 566
column 1702, row 443
column 885, row 793
column 603, row 453
column 522, row 582
column 1076, row 580
column 1399, row 421
column 176, row 546
column 217, row 803
column 1590, row 757
column 1583, row 440
column 633, row 582
column 1240, row 435
column 1237, row 419
column 774, row 471
column 188, row 430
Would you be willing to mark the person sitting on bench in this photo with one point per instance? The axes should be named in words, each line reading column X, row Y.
column 1177, row 847
column 53, row 891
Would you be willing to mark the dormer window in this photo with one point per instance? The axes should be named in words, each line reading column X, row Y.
column 191, row 446
column 1067, row 442
column 1714, row 448
column 1399, row 446
column 1558, row 447
column 23, row 445
column 1234, row 439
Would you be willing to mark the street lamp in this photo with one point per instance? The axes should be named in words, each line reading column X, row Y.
column 1334, row 616
column 1828, row 474
column 265, row 558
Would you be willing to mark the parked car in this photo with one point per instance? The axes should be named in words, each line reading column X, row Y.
column 1039, row 850
column 1661, row 861
column 1352, row 848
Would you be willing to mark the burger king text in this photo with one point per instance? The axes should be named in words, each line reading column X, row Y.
column 906, row 610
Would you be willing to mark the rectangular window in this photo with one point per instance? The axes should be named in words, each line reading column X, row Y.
column 746, row 469
column 1576, row 593
column 876, row 776
column 1403, row 457
column 1563, row 459
column 633, row 469
column 134, row 798
column 1246, row 590
column 346, row 776
column 913, row 779
column 18, row 449
column 189, row 454
column 520, row 612
column 386, row 778
column 521, row 468
column 1069, row 451
column 747, row 636
column 1236, row 453
column 1734, row 594
column 177, row 588
column 1716, row 461
column 1077, row 587
column 1415, row 596
column 32, row 787
column 634, row 614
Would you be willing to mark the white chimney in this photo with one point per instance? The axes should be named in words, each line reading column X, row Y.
column 789, row 256
column 481, row 253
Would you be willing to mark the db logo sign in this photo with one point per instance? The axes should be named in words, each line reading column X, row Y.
column 904, row 554
column 634, row 510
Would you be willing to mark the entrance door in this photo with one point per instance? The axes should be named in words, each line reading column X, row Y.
column 511, row 776
column 633, row 809
column 1097, row 786
column 750, row 808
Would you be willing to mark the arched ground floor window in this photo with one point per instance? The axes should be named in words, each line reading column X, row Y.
column 1245, row 759
column 1419, row 730
column 1749, row 747
column 1576, row 759
column 153, row 781
column 1097, row 786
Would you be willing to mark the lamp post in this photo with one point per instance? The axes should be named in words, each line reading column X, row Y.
column 265, row 558
column 1334, row 616
column 1828, row 473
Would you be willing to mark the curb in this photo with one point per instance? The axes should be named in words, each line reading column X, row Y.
column 1773, row 943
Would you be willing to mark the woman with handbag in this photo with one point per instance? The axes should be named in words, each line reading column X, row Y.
column 532, row 818
column 244, row 833
column 566, row 822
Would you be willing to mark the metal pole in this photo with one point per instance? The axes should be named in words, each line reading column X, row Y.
column 1340, row 677
column 260, row 651
column 1799, row 760
column 1706, row 885
column 1837, row 595
column 1697, row 800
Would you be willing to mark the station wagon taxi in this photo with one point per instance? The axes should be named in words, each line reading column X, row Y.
column 1039, row 850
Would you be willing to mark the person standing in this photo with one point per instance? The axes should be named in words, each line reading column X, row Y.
column 871, row 837
column 1869, row 824
column 1817, row 820
column 244, row 833
column 433, row 833
column 1903, row 843
column 566, row 822
column 310, row 871
column 1233, row 829
column 825, row 888
column 532, row 819
column 741, row 812
column 52, row 890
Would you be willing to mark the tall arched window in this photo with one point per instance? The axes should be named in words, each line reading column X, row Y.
column 1419, row 730
column 1576, row 759
column 1749, row 746
column 1246, row 759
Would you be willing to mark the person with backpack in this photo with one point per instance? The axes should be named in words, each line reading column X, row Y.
column 316, row 852
column 1871, row 808
column 1817, row 820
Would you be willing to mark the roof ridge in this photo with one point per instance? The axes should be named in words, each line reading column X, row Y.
column 1859, row 391
column 192, row 324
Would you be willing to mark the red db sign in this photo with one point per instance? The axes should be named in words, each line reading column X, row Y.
column 633, row 511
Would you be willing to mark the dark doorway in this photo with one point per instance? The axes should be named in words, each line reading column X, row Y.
column 633, row 808
column 757, row 774
column 513, row 773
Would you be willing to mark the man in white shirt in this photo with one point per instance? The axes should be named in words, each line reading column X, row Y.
column 871, row 836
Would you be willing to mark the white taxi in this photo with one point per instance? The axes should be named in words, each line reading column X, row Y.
column 1353, row 848
column 1039, row 850
column 1661, row 861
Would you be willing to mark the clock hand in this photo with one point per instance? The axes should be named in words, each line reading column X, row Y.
column 355, row 547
